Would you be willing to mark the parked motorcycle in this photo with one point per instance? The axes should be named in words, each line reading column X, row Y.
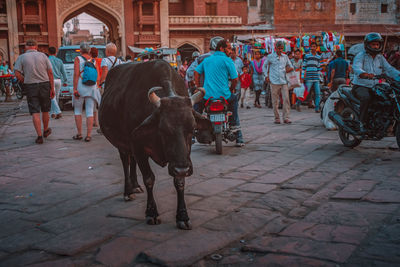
column 383, row 113
column 218, row 114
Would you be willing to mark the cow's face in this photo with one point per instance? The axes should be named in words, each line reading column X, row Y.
column 167, row 134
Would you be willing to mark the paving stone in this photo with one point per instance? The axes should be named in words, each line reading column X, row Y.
column 298, row 212
column 356, row 190
column 56, row 263
column 256, row 187
column 22, row 241
column 213, row 186
column 278, row 176
column 336, row 252
column 383, row 252
column 283, row 260
column 183, row 251
column 78, row 240
column 154, row 233
column 309, row 181
column 275, row 226
column 240, row 175
column 15, row 226
column 324, row 232
column 244, row 220
column 224, row 202
column 122, row 251
column 383, row 196
column 352, row 214
column 26, row 258
column 280, row 200
column 76, row 204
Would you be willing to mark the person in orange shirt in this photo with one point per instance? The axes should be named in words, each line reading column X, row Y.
column 94, row 53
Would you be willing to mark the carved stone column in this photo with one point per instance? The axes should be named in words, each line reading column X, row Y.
column 164, row 23
column 12, row 30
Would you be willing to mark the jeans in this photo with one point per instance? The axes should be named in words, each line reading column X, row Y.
column 55, row 109
column 317, row 90
column 363, row 94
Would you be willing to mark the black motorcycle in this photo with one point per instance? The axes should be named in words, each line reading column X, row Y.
column 383, row 113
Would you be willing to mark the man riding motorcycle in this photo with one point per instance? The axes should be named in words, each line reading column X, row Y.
column 190, row 71
column 218, row 69
column 366, row 66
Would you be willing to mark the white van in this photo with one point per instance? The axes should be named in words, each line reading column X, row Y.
column 67, row 54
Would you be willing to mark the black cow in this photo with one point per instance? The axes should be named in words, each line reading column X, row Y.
column 142, row 124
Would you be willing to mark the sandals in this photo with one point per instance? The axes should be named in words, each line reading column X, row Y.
column 287, row 121
column 277, row 121
column 77, row 137
column 88, row 138
column 47, row 132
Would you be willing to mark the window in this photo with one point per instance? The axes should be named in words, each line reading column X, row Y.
column 353, row 8
column 147, row 9
column 307, row 6
column 3, row 7
column 253, row 2
column 211, row 9
column 384, row 8
column 319, row 6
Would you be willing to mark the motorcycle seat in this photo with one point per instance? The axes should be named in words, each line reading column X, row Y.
column 347, row 91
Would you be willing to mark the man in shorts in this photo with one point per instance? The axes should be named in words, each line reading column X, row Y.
column 33, row 69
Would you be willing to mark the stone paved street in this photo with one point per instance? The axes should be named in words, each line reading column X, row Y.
column 293, row 196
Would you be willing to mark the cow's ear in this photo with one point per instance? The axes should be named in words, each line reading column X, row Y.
column 147, row 127
column 201, row 122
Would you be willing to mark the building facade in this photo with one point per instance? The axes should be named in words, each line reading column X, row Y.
column 189, row 24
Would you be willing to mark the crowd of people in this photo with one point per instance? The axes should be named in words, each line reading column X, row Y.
column 220, row 71
column 42, row 76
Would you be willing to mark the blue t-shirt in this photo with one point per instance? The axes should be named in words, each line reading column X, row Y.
column 217, row 69
column 340, row 66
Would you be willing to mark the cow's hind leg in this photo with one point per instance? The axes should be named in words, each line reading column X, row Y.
column 148, row 179
column 133, row 175
column 182, row 217
column 128, row 188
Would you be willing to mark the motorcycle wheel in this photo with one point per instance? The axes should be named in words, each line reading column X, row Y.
column 218, row 143
column 18, row 92
column 398, row 133
column 347, row 139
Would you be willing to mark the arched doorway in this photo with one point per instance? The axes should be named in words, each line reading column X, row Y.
column 186, row 51
column 105, row 15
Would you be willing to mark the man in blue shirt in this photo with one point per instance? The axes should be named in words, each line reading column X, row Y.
column 339, row 71
column 218, row 69
column 59, row 76
column 366, row 66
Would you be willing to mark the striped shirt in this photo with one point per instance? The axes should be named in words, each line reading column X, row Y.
column 311, row 67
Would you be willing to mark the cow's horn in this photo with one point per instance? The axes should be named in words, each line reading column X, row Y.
column 198, row 96
column 153, row 97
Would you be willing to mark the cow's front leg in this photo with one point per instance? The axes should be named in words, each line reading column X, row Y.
column 133, row 176
column 148, row 180
column 128, row 187
column 182, row 218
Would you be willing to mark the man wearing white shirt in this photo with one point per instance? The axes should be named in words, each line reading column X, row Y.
column 109, row 62
column 275, row 68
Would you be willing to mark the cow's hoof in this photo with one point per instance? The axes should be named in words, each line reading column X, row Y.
column 129, row 197
column 138, row 190
column 184, row 225
column 153, row 221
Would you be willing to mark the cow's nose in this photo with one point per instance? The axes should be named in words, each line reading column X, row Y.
column 181, row 171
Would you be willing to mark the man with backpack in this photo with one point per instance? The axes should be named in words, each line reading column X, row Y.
column 109, row 62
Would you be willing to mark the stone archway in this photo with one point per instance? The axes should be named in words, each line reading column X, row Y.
column 110, row 12
column 197, row 43
column 186, row 50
